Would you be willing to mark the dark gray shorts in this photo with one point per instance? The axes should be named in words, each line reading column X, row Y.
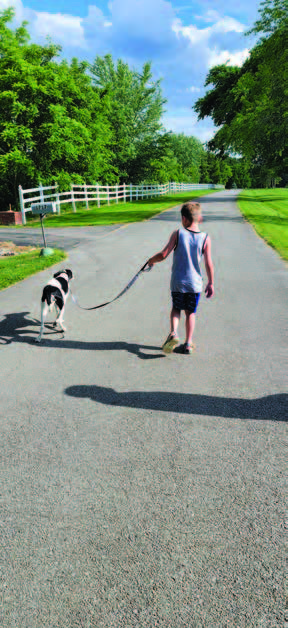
column 186, row 301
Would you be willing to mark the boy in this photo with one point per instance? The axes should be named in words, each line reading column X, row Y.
column 189, row 244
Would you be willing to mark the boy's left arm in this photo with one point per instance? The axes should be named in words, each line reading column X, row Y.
column 209, row 290
column 159, row 257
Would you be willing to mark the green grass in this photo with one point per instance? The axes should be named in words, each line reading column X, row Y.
column 114, row 213
column 18, row 267
column 267, row 210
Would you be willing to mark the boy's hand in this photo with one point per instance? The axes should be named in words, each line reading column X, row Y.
column 150, row 264
column 209, row 290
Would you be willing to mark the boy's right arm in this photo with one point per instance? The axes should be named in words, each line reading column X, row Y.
column 209, row 290
column 159, row 257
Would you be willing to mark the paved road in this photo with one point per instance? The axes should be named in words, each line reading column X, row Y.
column 144, row 490
column 58, row 238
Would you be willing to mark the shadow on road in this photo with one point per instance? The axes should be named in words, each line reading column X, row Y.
column 272, row 407
column 14, row 329
column 175, row 217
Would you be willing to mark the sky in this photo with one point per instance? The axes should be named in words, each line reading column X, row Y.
column 183, row 39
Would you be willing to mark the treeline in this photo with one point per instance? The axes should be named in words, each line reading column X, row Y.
column 250, row 104
column 79, row 122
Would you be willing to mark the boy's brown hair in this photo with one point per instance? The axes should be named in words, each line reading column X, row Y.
column 191, row 211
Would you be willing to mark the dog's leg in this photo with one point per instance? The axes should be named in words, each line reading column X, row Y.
column 57, row 312
column 60, row 320
column 44, row 310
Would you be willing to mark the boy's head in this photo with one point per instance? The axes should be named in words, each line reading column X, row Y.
column 191, row 212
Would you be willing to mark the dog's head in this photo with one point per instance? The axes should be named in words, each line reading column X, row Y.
column 65, row 271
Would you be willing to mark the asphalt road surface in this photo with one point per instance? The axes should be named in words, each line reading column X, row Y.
column 144, row 490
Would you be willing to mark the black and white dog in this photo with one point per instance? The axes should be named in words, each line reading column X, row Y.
column 55, row 294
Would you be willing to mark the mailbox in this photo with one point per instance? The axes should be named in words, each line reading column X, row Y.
column 43, row 208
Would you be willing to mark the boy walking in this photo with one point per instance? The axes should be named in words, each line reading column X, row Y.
column 189, row 244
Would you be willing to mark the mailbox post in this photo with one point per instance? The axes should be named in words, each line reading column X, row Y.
column 42, row 209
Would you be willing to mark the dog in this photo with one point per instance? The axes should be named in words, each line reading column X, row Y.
column 55, row 294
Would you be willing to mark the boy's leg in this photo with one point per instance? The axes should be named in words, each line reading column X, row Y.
column 174, row 320
column 172, row 340
column 190, row 325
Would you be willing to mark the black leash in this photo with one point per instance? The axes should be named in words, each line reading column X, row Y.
column 96, row 307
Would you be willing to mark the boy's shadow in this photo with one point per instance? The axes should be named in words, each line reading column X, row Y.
column 14, row 328
column 269, row 408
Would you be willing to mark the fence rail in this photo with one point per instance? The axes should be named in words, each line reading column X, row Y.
column 103, row 194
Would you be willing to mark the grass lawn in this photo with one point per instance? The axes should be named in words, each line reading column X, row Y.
column 267, row 210
column 113, row 213
column 18, row 267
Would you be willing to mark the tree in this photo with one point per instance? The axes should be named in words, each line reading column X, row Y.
column 134, row 113
column 250, row 103
column 214, row 169
column 188, row 151
column 241, row 175
column 52, row 122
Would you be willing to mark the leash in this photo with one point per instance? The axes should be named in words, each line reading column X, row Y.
column 96, row 307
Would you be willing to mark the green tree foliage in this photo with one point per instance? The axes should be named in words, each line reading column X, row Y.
column 214, row 169
column 188, row 152
column 134, row 113
column 73, row 122
column 273, row 17
column 52, row 123
column 250, row 103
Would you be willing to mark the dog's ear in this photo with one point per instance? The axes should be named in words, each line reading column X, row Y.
column 69, row 273
column 57, row 274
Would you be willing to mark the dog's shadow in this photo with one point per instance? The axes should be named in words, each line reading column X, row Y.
column 15, row 327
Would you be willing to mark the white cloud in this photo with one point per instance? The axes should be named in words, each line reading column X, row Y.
column 220, row 57
column 61, row 28
column 197, row 35
column 227, row 25
column 194, row 34
column 65, row 29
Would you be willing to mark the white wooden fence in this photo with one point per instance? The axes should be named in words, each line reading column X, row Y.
column 101, row 194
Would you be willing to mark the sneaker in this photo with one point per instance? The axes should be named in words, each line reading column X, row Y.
column 186, row 349
column 169, row 344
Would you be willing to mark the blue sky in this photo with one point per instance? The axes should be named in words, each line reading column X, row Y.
column 182, row 38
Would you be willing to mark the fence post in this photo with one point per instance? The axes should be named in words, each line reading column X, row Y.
column 41, row 192
column 130, row 192
column 98, row 195
column 108, row 198
column 21, row 199
column 136, row 192
column 57, row 199
column 142, row 191
column 86, row 197
column 73, row 198
column 116, row 189
column 124, row 192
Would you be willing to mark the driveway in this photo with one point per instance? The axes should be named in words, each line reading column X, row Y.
column 145, row 490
